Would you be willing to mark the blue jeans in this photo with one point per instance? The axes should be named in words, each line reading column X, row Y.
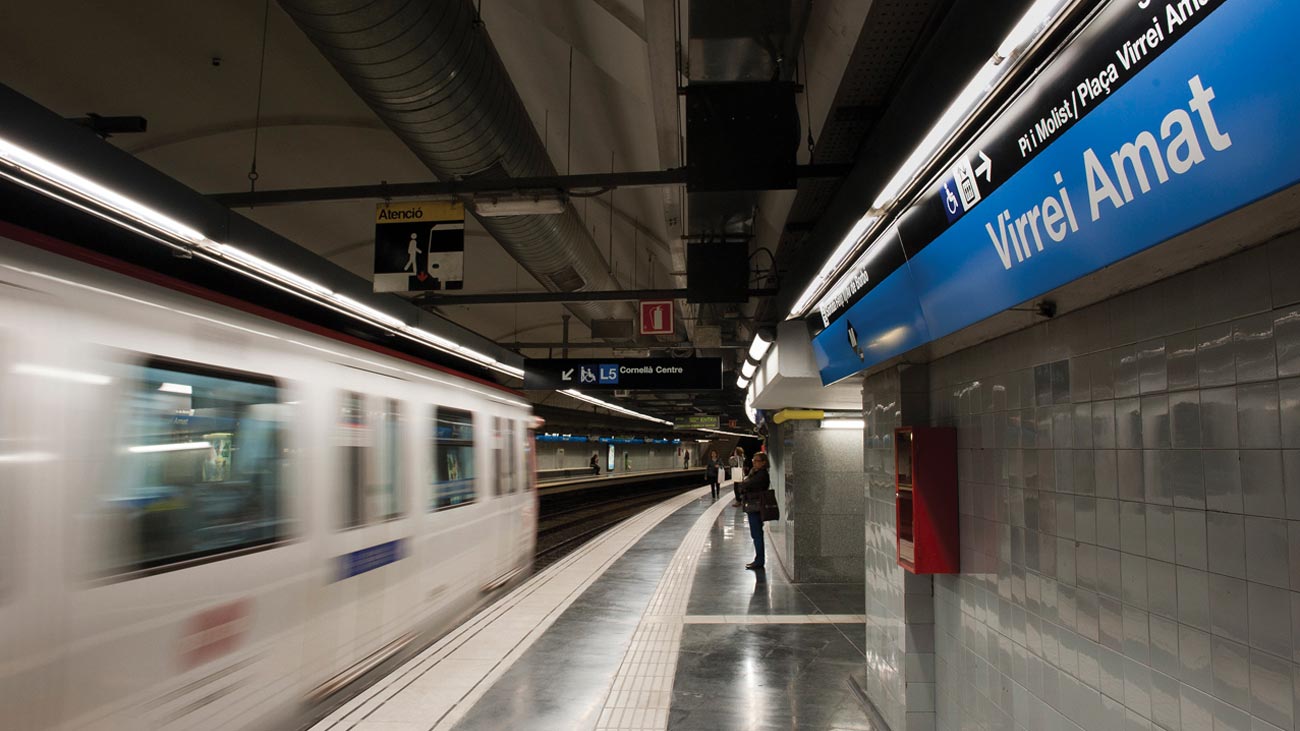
column 756, row 532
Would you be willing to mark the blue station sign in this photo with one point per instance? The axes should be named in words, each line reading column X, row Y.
column 1156, row 118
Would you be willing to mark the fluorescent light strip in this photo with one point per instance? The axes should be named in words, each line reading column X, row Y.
column 1039, row 17
column 612, row 407
column 180, row 388
column 63, row 179
column 758, row 349
column 847, row 246
column 843, row 424
column 256, row 262
column 171, row 447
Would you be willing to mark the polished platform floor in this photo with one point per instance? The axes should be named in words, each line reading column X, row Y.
column 653, row 625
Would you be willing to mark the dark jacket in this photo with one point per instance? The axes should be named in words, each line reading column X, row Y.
column 711, row 467
column 752, row 489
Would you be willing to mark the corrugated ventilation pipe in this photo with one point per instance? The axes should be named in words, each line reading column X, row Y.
column 431, row 73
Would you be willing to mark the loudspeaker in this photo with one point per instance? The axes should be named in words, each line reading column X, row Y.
column 614, row 329
column 717, row 272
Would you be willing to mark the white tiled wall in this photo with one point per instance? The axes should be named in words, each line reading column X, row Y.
column 1130, row 501
column 900, row 638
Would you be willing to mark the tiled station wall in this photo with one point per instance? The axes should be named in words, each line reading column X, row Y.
column 899, row 672
column 1130, row 515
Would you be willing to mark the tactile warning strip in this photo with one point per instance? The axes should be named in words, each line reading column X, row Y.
column 436, row 687
column 642, row 691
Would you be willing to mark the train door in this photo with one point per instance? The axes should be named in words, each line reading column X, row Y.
column 460, row 513
column 370, row 526
column 526, row 501
column 501, row 507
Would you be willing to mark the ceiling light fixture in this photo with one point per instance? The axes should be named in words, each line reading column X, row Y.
column 742, row 382
column 762, row 342
column 747, row 370
column 843, row 424
column 491, row 207
column 1040, row 16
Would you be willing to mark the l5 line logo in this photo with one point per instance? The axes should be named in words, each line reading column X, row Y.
column 609, row 374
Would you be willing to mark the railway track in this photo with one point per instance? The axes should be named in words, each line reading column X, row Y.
column 566, row 527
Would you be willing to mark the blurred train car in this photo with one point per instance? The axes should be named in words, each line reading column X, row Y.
column 211, row 519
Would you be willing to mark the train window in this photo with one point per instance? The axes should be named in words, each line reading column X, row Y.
column 530, row 458
column 503, row 456
column 512, row 458
column 203, row 466
column 453, row 459
column 498, row 466
column 386, row 494
column 354, row 442
column 371, row 459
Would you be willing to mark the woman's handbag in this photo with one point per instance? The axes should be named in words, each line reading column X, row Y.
column 768, row 508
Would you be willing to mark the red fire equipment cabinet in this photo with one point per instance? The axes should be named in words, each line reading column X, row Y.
column 925, row 472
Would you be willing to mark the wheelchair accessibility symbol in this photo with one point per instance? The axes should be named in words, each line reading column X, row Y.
column 950, row 199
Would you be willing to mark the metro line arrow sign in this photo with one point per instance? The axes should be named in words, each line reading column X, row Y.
column 985, row 167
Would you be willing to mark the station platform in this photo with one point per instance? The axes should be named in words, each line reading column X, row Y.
column 654, row 624
column 618, row 479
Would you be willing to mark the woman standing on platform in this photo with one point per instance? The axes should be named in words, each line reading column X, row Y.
column 751, row 493
column 711, row 467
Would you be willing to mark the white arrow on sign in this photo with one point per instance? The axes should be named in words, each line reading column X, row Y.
column 566, row 375
column 985, row 167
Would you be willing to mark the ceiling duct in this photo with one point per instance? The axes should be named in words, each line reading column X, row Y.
column 431, row 73
column 742, row 44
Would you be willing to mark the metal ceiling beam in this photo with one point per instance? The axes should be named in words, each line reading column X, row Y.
column 512, row 298
column 484, row 186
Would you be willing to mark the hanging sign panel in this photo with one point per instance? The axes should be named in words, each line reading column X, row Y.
column 642, row 374
column 419, row 246
column 1152, row 122
column 697, row 421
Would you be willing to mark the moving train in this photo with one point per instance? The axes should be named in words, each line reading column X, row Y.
column 211, row 518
